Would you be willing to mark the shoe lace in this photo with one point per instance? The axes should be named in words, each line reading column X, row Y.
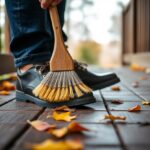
column 80, row 65
column 42, row 68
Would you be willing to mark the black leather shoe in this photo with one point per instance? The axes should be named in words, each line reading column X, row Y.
column 95, row 82
column 30, row 79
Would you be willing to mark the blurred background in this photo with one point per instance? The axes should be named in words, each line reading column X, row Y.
column 101, row 32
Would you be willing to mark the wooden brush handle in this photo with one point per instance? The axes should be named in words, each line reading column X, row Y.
column 61, row 59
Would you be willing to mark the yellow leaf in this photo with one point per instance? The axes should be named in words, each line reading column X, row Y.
column 8, row 86
column 144, row 102
column 111, row 117
column 4, row 93
column 135, row 108
column 63, row 108
column 76, row 127
column 59, row 133
column 40, row 125
column 60, row 145
column 65, row 116
column 115, row 88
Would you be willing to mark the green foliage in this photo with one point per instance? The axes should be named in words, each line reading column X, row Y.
column 88, row 51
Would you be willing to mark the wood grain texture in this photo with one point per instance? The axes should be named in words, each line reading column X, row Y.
column 61, row 59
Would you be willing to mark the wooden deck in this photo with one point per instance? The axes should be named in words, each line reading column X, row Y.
column 132, row 134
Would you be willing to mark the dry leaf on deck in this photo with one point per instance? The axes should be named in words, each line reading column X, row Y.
column 135, row 108
column 40, row 125
column 135, row 84
column 4, row 93
column 64, row 108
column 117, row 101
column 13, row 77
column 59, row 133
column 144, row 102
column 74, row 127
column 60, row 145
column 115, row 88
column 1, row 88
column 64, row 116
column 8, row 86
column 111, row 117
column 136, row 67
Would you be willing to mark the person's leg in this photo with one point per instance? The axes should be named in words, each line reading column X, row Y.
column 31, row 31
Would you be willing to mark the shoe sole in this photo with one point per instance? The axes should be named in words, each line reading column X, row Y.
column 84, row 100
column 105, row 84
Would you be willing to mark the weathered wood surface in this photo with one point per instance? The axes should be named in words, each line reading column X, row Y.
column 132, row 134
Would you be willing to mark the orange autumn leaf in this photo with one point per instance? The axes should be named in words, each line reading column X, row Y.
column 59, row 133
column 116, row 101
column 8, row 86
column 13, row 77
column 144, row 102
column 115, row 88
column 111, row 117
column 76, row 127
column 136, row 67
column 63, row 108
column 60, row 145
column 64, row 116
column 1, row 88
column 135, row 108
column 40, row 125
column 73, row 127
column 4, row 93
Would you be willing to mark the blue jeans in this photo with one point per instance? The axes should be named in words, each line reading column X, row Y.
column 32, row 36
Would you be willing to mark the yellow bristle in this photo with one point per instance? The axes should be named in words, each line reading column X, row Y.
column 78, row 91
column 57, row 94
column 47, row 93
column 66, row 93
column 50, row 95
column 38, row 89
column 84, row 88
column 43, row 90
column 61, row 94
column 71, row 92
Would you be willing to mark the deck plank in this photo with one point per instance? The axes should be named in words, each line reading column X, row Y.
column 6, row 98
column 12, row 124
column 135, row 135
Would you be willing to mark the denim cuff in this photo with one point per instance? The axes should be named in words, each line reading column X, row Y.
column 32, row 59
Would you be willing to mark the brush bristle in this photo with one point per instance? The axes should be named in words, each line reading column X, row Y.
column 61, row 86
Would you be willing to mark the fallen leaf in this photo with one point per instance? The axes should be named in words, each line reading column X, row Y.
column 117, row 101
column 136, row 67
column 40, row 125
column 63, row 108
column 59, row 133
column 135, row 108
column 111, row 117
column 115, row 88
column 13, row 77
column 60, row 145
column 135, row 84
column 8, row 86
column 4, row 93
column 74, row 127
column 65, row 116
column 144, row 102
column 1, row 88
